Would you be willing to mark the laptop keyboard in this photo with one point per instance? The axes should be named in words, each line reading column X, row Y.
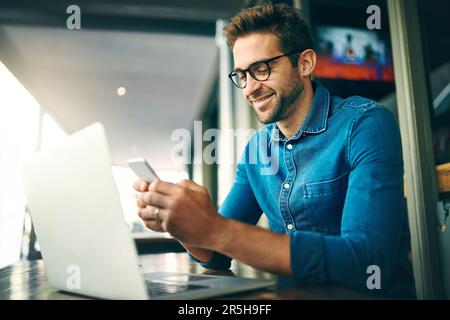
column 159, row 288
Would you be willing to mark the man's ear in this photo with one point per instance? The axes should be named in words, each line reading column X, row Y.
column 306, row 62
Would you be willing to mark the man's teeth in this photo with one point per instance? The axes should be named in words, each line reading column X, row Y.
column 262, row 99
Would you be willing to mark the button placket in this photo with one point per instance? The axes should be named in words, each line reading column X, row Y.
column 286, row 189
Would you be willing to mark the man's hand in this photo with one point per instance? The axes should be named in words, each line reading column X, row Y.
column 187, row 213
column 149, row 220
column 185, row 210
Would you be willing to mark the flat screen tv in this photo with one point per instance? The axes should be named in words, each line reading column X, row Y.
column 352, row 54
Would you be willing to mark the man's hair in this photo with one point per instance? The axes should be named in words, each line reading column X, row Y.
column 285, row 22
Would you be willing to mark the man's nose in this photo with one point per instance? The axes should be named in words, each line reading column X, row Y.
column 252, row 86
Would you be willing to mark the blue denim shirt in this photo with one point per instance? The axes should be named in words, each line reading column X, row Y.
column 336, row 188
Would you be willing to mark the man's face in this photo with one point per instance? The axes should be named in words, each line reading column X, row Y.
column 273, row 99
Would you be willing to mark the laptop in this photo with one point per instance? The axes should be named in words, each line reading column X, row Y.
column 85, row 242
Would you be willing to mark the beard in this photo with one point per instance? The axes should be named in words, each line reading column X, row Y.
column 283, row 103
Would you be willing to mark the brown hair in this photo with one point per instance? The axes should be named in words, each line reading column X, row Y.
column 285, row 22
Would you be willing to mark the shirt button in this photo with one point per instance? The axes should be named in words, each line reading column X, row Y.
column 289, row 146
column 286, row 186
column 290, row 226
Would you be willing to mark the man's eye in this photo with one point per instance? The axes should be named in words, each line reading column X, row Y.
column 262, row 68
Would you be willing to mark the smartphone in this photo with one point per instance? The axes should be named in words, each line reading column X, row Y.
column 142, row 169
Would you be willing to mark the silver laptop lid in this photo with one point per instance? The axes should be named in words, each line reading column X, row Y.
column 85, row 242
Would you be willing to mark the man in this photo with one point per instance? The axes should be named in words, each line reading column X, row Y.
column 335, row 204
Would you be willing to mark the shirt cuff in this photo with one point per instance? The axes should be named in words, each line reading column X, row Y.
column 218, row 261
column 307, row 257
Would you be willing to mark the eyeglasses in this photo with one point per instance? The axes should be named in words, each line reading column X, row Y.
column 259, row 70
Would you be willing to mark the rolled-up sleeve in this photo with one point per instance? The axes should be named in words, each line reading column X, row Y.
column 241, row 205
column 373, row 216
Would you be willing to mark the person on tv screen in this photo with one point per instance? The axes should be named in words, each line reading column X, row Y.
column 326, row 171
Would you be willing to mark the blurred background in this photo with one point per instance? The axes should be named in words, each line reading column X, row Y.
column 147, row 68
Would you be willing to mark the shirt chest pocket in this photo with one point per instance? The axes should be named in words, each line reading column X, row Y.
column 324, row 203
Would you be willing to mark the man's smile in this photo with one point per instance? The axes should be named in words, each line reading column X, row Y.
column 261, row 101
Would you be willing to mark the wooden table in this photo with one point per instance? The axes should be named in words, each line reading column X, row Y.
column 27, row 280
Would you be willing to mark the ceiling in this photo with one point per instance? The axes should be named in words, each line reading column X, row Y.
column 165, row 57
column 75, row 75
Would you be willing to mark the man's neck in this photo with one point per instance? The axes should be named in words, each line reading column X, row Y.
column 293, row 122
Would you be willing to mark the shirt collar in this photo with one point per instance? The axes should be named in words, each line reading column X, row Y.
column 316, row 120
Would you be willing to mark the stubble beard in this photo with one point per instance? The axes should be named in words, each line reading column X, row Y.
column 285, row 105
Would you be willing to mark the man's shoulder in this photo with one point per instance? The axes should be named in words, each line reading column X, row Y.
column 352, row 104
column 356, row 106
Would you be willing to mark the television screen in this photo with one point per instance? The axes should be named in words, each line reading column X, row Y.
column 352, row 54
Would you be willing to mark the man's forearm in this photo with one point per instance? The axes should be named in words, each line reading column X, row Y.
column 254, row 246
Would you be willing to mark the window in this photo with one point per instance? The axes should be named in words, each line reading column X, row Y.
column 19, row 115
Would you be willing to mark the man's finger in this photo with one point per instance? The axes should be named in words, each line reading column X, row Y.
column 140, row 185
column 148, row 216
column 154, row 226
column 155, row 199
column 141, row 204
column 149, row 213
column 163, row 187
column 190, row 185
